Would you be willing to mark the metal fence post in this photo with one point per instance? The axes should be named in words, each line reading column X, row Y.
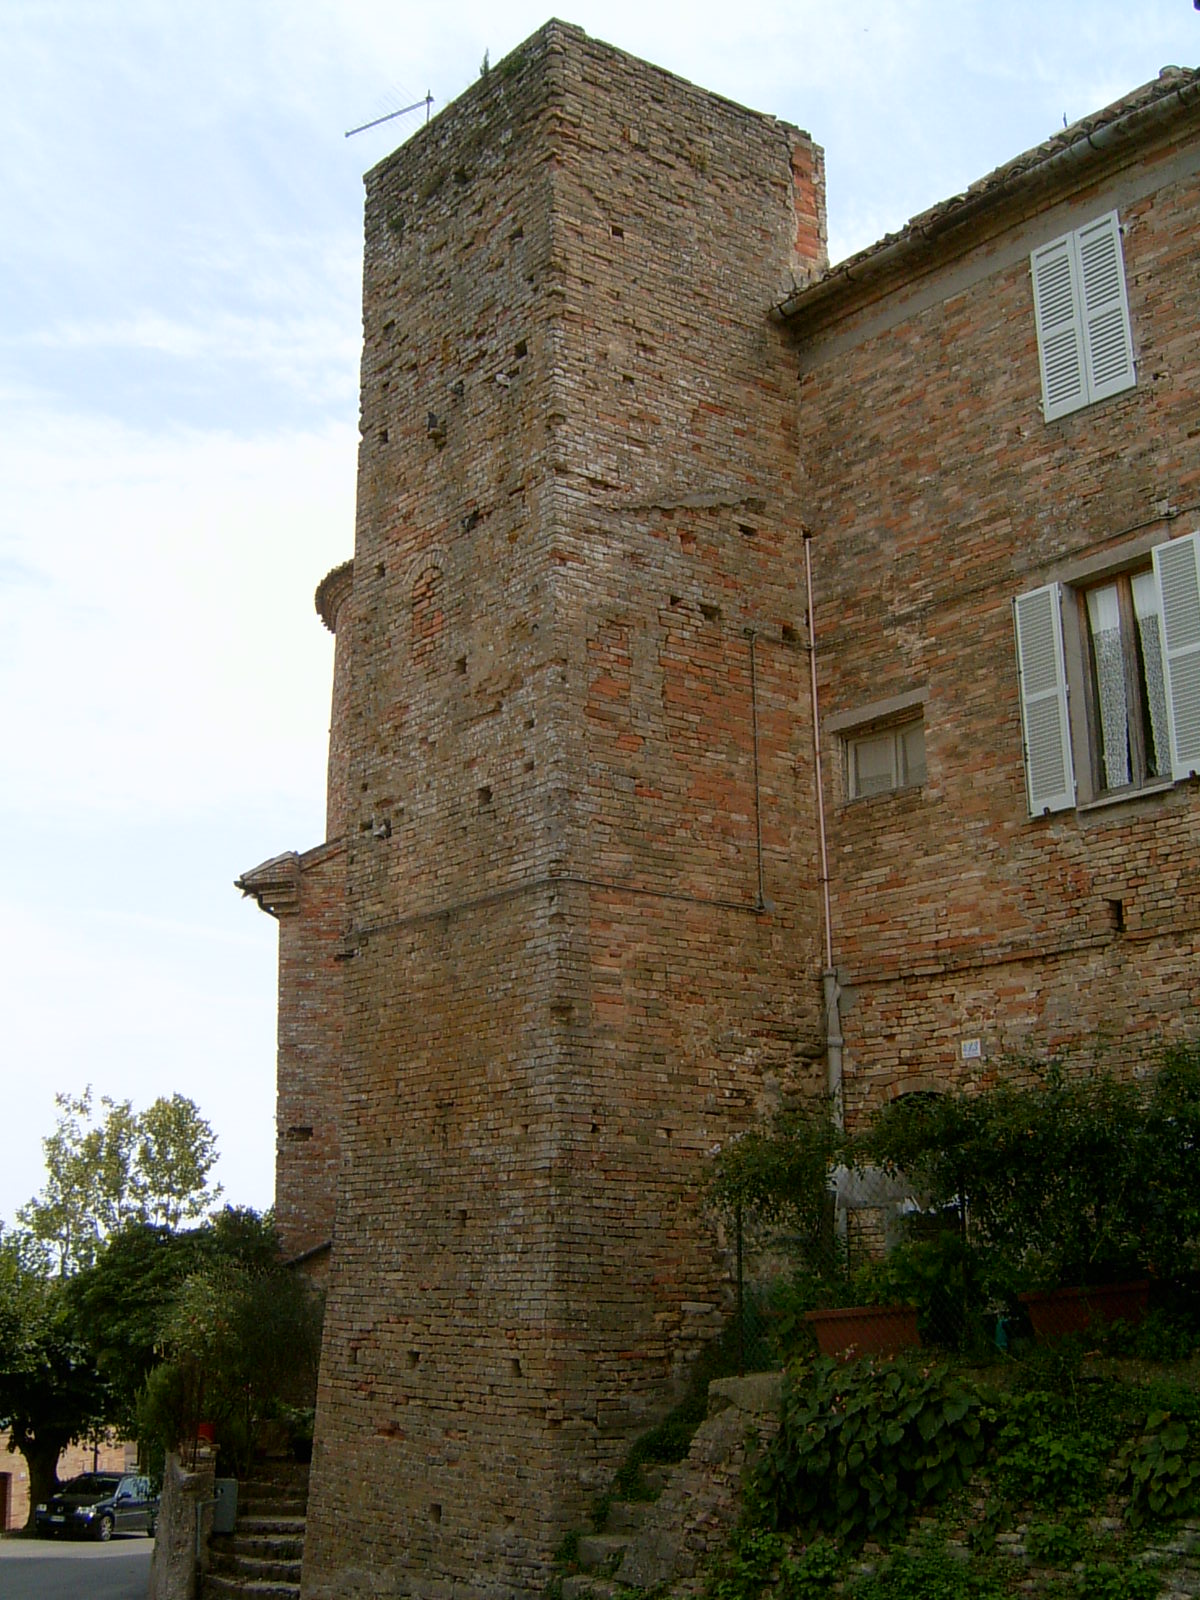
column 741, row 1301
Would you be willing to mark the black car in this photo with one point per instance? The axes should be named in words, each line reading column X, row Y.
column 99, row 1504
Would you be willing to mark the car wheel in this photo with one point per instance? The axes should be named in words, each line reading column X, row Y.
column 104, row 1528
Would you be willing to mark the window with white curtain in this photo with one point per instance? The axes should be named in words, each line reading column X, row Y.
column 1109, row 675
column 1128, row 689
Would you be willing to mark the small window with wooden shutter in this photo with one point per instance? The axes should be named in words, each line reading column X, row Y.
column 1049, row 778
column 1177, row 568
column 1085, row 346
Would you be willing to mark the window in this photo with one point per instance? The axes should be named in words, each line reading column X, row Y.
column 1085, row 348
column 889, row 758
column 1109, row 672
column 1125, row 685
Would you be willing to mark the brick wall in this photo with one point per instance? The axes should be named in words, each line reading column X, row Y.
column 939, row 493
column 308, row 1093
column 307, row 894
column 580, row 859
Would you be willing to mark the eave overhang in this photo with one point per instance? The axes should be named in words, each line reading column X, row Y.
column 1061, row 163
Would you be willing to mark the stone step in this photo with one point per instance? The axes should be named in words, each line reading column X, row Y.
column 259, row 1547
column 261, row 1558
column 601, row 1552
column 218, row 1588
column 279, row 1467
column 626, row 1516
column 585, row 1586
column 256, row 1526
column 228, row 1564
column 269, row 1489
column 283, row 1505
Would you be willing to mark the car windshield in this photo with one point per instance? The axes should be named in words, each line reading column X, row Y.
column 91, row 1483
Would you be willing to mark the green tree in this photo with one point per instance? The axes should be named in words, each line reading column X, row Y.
column 50, row 1390
column 241, row 1336
column 175, row 1150
column 70, row 1362
column 119, row 1167
column 124, row 1299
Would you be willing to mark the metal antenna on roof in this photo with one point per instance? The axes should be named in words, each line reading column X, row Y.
column 403, row 112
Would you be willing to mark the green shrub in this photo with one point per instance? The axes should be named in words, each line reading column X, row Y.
column 1047, row 1460
column 1070, row 1176
column 241, row 1342
column 930, row 1573
column 943, row 1278
column 863, row 1446
column 1056, row 1544
column 782, row 1174
column 1162, row 1470
column 809, row 1574
column 1111, row 1580
column 749, row 1563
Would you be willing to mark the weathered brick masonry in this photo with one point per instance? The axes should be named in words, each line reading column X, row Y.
column 567, row 931
column 579, row 847
column 937, row 495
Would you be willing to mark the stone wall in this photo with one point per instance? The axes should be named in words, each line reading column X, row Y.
column 580, row 857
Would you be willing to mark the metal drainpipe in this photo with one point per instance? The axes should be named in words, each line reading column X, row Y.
column 762, row 903
column 833, row 1016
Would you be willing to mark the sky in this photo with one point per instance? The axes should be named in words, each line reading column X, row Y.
column 180, row 235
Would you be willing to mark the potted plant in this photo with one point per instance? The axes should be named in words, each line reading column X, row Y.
column 866, row 1314
column 780, row 1180
column 1065, row 1182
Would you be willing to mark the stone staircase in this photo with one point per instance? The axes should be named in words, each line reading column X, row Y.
column 599, row 1555
column 649, row 1545
column 260, row 1559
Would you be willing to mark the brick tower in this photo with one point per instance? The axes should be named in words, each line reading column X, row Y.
column 581, row 891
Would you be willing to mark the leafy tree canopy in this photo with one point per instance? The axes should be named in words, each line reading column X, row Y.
column 116, row 1167
column 50, row 1390
column 124, row 1299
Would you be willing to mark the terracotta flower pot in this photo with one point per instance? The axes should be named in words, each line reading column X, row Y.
column 865, row 1330
column 1058, row 1312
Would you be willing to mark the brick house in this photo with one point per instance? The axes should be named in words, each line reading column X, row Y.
column 999, row 419
column 627, row 838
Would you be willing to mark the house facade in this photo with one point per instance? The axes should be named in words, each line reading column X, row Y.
column 752, row 680
column 999, row 419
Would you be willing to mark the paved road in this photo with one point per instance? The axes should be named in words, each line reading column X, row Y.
column 52, row 1569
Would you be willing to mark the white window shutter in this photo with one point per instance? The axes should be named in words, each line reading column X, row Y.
column 1059, row 321
column 1107, row 342
column 1049, row 773
column 1177, row 567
